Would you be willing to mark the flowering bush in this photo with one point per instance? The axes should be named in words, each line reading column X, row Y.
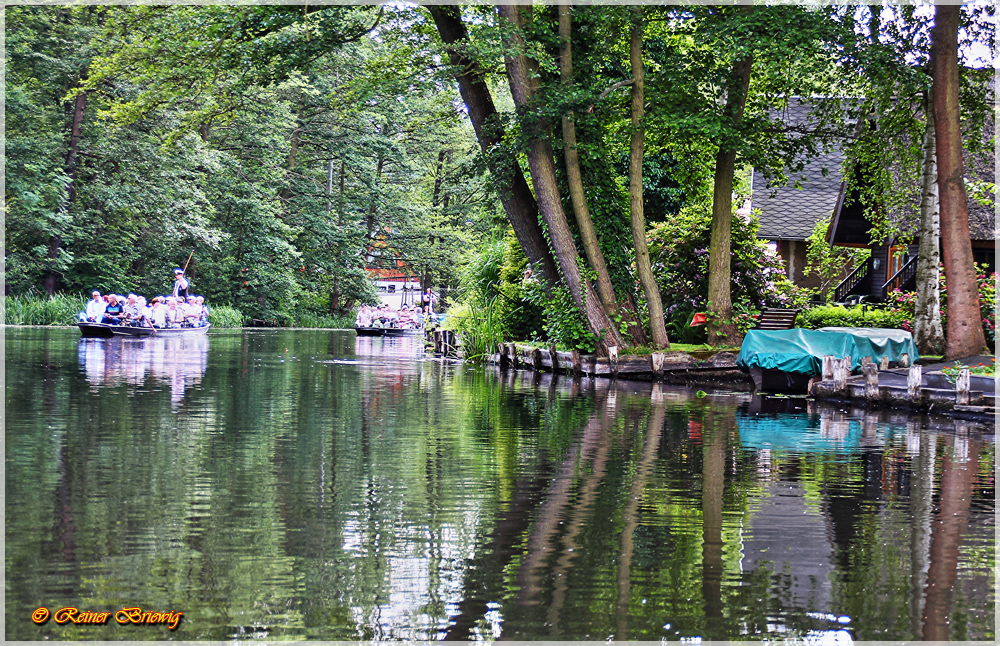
column 678, row 252
column 904, row 304
column 982, row 369
column 900, row 307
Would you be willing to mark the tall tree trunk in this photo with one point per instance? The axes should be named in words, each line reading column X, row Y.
column 657, row 327
column 56, row 240
column 373, row 207
column 522, row 73
column 588, row 234
column 516, row 197
column 928, row 333
column 721, row 329
column 286, row 192
column 438, row 177
column 964, row 335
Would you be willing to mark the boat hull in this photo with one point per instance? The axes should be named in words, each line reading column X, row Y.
column 387, row 331
column 104, row 331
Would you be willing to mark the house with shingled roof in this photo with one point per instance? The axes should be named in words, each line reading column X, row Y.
column 788, row 215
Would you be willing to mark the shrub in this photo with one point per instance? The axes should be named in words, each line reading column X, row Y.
column 857, row 316
column 479, row 325
column 678, row 250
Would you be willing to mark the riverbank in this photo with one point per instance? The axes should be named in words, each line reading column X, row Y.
column 667, row 367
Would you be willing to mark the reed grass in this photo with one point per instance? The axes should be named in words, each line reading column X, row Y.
column 308, row 320
column 221, row 316
column 42, row 310
column 480, row 326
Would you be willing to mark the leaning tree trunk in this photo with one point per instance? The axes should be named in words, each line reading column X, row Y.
column 721, row 328
column 964, row 337
column 522, row 73
column 516, row 197
column 927, row 330
column 657, row 327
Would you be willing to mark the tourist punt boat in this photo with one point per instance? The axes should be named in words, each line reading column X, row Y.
column 388, row 331
column 105, row 331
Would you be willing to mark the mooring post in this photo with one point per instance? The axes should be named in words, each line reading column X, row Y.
column 613, row 359
column 865, row 361
column 904, row 360
column 883, row 363
column 536, row 359
column 840, row 371
column 577, row 363
column 962, row 387
column 828, row 361
column 913, row 380
column 554, row 358
column 870, row 371
column 512, row 349
column 504, row 357
column 658, row 358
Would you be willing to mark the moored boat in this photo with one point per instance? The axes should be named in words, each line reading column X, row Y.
column 388, row 331
column 106, row 331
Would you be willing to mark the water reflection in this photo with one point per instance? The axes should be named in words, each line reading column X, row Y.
column 178, row 361
column 321, row 486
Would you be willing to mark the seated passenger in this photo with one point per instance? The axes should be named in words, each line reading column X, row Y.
column 145, row 312
column 114, row 312
column 202, row 311
column 131, row 309
column 405, row 321
column 95, row 308
column 159, row 317
column 175, row 313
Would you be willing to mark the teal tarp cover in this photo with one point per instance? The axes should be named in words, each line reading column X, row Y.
column 802, row 351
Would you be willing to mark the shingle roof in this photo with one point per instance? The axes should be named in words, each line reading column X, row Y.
column 789, row 212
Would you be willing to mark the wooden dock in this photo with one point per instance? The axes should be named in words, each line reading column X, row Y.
column 659, row 366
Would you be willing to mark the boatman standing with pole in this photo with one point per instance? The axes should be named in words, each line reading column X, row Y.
column 180, row 283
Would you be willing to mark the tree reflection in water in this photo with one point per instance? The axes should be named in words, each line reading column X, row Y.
column 320, row 486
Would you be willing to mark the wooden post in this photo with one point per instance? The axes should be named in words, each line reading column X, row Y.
column 840, row 370
column 870, row 371
column 536, row 359
column 577, row 363
column 512, row 349
column 883, row 363
column 913, row 380
column 828, row 361
column 904, row 360
column 613, row 359
column 437, row 341
column 865, row 361
column 962, row 387
column 504, row 357
column 554, row 358
column 658, row 358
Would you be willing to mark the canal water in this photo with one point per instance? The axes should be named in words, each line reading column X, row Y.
column 289, row 484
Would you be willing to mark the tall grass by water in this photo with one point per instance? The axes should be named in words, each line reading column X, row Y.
column 344, row 321
column 42, row 310
column 480, row 327
column 224, row 316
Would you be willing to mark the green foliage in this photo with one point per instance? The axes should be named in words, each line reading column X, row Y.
column 224, row 316
column 564, row 322
column 342, row 322
column 829, row 263
column 856, row 316
column 43, row 310
column 480, row 326
column 678, row 250
column 982, row 370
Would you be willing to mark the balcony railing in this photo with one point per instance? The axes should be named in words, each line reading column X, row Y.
column 855, row 278
column 899, row 280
